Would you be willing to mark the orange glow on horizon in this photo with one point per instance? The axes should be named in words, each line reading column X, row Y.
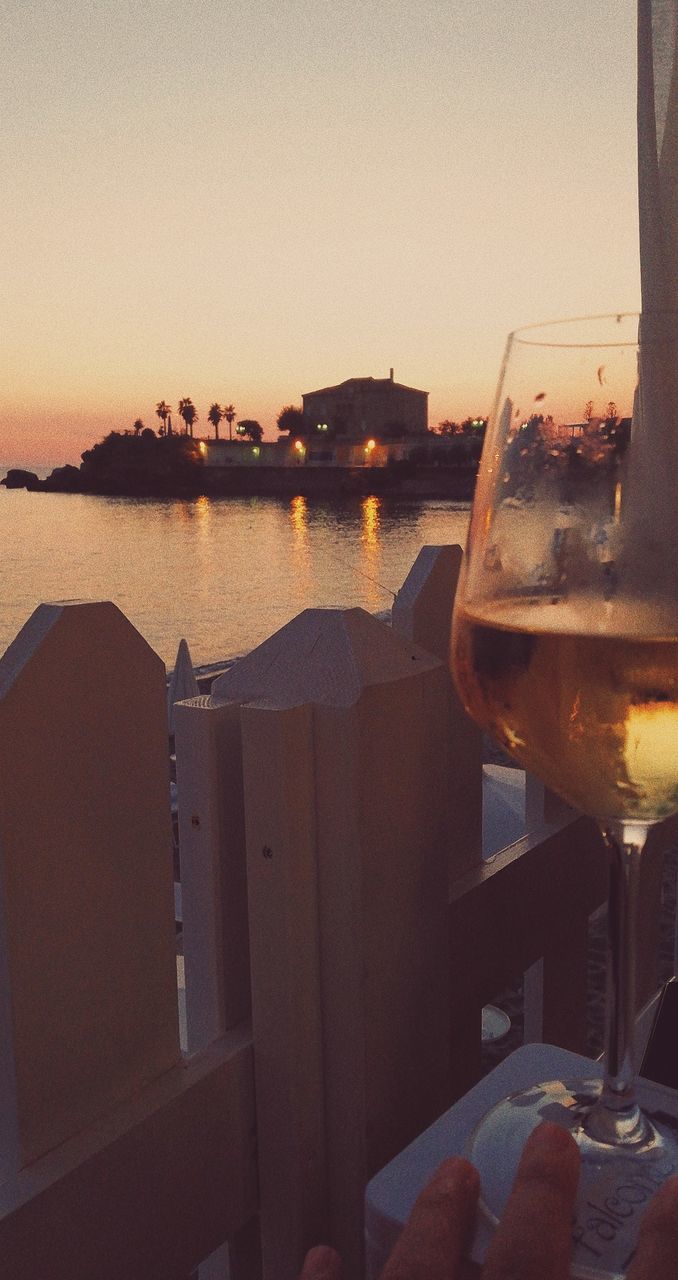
column 235, row 245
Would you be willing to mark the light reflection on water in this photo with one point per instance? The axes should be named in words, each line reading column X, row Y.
column 370, row 561
column 224, row 573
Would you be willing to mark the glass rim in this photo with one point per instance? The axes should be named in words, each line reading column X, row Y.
column 523, row 334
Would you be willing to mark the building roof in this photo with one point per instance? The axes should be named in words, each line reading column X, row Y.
column 363, row 384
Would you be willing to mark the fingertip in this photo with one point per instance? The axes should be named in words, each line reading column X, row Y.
column 321, row 1263
column 657, row 1253
column 452, row 1190
column 551, row 1155
column 662, row 1211
column 551, row 1137
column 440, row 1225
column 535, row 1226
column 454, row 1175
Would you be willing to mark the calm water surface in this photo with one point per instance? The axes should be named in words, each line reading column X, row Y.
column 225, row 573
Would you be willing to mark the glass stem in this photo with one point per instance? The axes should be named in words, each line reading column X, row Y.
column 617, row 1118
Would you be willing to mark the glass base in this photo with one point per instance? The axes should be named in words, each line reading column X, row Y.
column 615, row 1184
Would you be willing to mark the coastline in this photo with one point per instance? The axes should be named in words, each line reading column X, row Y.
column 402, row 479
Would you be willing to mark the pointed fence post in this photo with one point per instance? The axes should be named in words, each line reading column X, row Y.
column 422, row 612
column 345, row 734
column 213, row 870
column 182, row 683
column 88, row 1013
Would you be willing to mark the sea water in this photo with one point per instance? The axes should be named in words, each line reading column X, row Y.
column 224, row 573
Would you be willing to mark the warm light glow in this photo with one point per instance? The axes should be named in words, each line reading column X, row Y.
column 200, row 516
column 617, row 499
column 650, row 747
column 300, row 558
column 299, row 446
column 299, row 516
column 203, row 448
column 370, row 515
column 124, row 289
column 256, row 451
column 371, row 444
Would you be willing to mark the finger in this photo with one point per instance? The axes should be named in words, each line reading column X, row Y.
column 439, row 1227
column 321, row 1263
column 533, row 1238
column 657, row 1254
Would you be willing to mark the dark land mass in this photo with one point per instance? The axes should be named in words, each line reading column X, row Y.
column 172, row 466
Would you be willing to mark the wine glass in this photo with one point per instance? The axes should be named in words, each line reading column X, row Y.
column 565, row 649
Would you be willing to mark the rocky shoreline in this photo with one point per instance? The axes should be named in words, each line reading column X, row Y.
column 402, row 480
column 64, row 479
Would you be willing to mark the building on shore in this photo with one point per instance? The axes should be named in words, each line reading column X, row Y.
column 362, row 422
column 361, row 407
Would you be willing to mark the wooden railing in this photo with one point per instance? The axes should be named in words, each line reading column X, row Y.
column 341, row 933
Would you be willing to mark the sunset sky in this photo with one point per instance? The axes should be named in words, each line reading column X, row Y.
column 244, row 200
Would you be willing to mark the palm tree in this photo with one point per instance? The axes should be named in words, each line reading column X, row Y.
column 189, row 413
column 214, row 416
column 229, row 414
column 137, row 426
column 164, row 411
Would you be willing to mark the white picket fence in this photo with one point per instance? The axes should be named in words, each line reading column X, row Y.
column 341, row 932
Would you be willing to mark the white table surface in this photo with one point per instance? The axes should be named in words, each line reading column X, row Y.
column 391, row 1192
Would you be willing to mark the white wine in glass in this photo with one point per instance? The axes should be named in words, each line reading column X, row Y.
column 565, row 649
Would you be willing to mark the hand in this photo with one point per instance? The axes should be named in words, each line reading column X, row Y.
column 532, row 1241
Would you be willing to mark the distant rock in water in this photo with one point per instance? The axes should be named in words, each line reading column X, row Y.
column 61, row 480
column 127, row 465
column 67, row 479
column 18, row 479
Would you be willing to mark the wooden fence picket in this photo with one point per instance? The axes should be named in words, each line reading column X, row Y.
column 333, row 890
column 422, row 613
column 287, row 1014
column 345, row 757
column 87, row 901
column 213, row 872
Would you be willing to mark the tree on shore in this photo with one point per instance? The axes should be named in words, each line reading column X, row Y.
column 291, row 418
column 122, row 464
column 137, row 426
column 469, row 427
column 474, row 427
column 229, row 415
column 214, row 416
column 164, row 412
column 189, row 413
column 248, row 427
